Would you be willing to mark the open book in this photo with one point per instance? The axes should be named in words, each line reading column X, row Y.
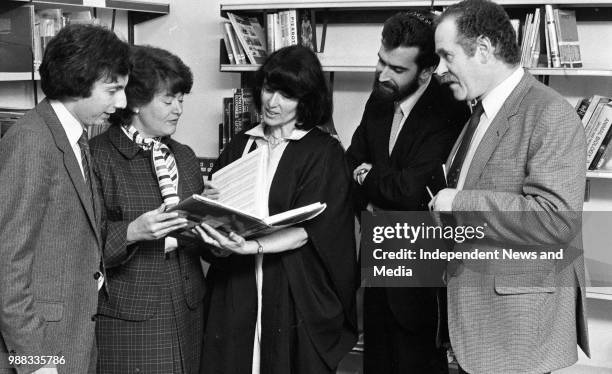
column 240, row 207
column 226, row 219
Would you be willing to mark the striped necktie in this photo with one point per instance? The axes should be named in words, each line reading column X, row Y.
column 83, row 143
column 163, row 161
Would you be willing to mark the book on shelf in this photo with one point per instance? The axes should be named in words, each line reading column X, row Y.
column 240, row 207
column 595, row 146
column 228, row 47
column 552, row 36
column 567, row 38
column 251, row 36
column 594, row 102
column 237, row 51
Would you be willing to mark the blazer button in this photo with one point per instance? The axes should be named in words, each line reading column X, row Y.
column 94, row 318
column 186, row 277
column 97, row 275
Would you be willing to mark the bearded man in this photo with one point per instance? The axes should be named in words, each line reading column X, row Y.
column 408, row 127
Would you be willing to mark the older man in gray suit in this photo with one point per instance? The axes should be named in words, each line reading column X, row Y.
column 519, row 169
column 50, row 212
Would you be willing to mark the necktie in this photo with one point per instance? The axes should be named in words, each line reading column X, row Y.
column 395, row 126
column 85, row 162
column 455, row 169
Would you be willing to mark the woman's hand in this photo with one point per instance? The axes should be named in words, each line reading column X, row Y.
column 154, row 225
column 226, row 245
column 210, row 191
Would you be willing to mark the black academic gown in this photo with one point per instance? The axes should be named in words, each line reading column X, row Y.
column 308, row 306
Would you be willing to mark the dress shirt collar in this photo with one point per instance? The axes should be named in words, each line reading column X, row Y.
column 71, row 125
column 494, row 100
column 409, row 102
column 258, row 132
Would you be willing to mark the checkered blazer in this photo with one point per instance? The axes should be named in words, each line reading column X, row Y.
column 527, row 319
column 129, row 187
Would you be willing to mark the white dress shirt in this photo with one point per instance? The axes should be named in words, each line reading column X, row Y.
column 491, row 104
column 406, row 105
column 72, row 127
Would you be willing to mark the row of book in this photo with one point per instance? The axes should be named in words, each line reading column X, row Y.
column 245, row 40
column 25, row 32
column 8, row 117
column 596, row 115
column 550, row 39
column 239, row 114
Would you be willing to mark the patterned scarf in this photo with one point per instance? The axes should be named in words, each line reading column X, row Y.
column 163, row 160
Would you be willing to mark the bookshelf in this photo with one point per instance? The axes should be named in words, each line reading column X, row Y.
column 136, row 12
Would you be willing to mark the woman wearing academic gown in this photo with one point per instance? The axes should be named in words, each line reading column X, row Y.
column 285, row 302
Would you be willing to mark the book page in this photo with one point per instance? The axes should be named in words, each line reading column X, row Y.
column 240, row 182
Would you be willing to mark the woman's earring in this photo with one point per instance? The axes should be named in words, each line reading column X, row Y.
column 136, row 110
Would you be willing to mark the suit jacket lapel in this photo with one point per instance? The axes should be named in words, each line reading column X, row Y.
column 45, row 110
column 498, row 127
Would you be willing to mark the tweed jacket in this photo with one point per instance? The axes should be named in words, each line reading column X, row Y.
column 50, row 245
column 129, row 188
column 526, row 183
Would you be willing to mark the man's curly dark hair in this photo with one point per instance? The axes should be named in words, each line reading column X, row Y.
column 475, row 18
column 412, row 29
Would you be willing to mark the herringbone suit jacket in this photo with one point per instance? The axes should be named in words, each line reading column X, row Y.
column 526, row 183
column 50, row 245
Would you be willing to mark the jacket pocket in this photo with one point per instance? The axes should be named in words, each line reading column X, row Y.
column 525, row 283
column 51, row 311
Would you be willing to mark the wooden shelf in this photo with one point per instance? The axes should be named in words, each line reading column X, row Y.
column 599, row 174
column 13, row 77
column 127, row 5
column 594, row 72
column 243, row 68
column 230, row 5
column 369, row 69
column 600, row 293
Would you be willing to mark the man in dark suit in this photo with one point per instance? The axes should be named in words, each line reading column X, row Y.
column 50, row 241
column 408, row 127
column 518, row 169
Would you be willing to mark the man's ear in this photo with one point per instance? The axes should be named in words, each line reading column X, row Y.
column 484, row 49
column 425, row 74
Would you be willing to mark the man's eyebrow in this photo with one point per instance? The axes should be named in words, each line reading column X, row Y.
column 390, row 65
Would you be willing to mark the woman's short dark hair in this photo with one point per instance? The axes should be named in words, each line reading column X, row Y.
column 296, row 72
column 77, row 57
column 412, row 29
column 153, row 70
column 474, row 18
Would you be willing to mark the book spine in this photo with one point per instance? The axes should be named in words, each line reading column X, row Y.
column 600, row 130
column 582, row 105
column 552, row 36
column 228, row 46
column 567, row 34
column 293, row 28
column 270, row 31
column 238, row 109
column 602, row 149
column 227, row 27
